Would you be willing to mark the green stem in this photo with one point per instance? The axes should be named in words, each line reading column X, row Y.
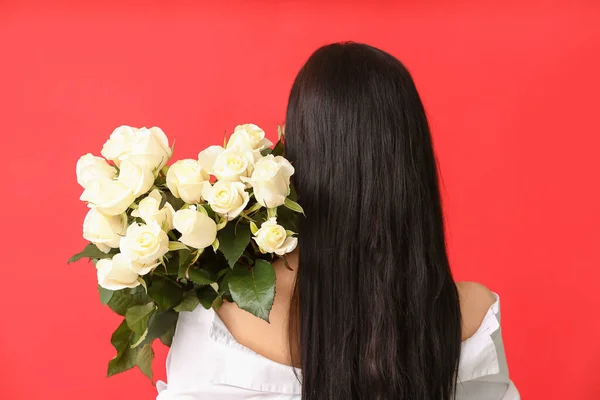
column 244, row 216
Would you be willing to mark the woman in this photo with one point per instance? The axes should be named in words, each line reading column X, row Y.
column 369, row 309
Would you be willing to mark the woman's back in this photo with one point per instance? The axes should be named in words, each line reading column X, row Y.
column 232, row 355
column 270, row 340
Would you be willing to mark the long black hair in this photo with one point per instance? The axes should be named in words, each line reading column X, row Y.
column 375, row 312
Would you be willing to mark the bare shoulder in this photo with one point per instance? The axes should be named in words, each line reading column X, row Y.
column 475, row 301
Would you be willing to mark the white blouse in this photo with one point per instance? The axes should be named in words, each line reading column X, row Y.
column 206, row 362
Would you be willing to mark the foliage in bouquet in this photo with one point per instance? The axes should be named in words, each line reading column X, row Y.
column 165, row 240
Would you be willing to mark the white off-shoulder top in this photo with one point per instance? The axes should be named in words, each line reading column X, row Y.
column 206, row 362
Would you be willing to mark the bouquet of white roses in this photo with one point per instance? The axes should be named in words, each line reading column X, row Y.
column 167, row 239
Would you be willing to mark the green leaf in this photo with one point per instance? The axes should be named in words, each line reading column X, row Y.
column 92, row 252
column 224, row 283
column 266, row 152
column 202, row 210
column 217, row 303
column 209, row 211
column 253, row 228
column 202, row 276
column 121, row 300
column 253, row 290
column 121, row 336
column 221, row 222
column 215, row 245
column 125, row 358
column 288, row 219
column 233, row 241
column 261, row 216
column 189, row 303
column 137, row 317
column 167, row 337
column 160, row 323
column 142, row 282
column 165, row 293
column 185, row 260
column 206, row 296
column 174, row 201
column 105, row 295
column 174, row 246
column 163, row 199
column 144, row 358
column 292, row 205
column 278, row 150
column 293, row 195
column 122, row 362
column 140, row 339
column 222, row 272
column 172, row 264
column 272, row 212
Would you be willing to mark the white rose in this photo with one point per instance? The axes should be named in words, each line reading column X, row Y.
column 272, row 238
column 110, row 196
column 103, row 230
column 271, row 180
column 117, row 273
column 90, row 168
column 227, row 198
column 138, row 179
column 208, row 157
column 119, row 143
column 228, row 164
column 149, row 149
column 144, row 245
column 197, row 229
column 232, row 164
column 248, row 136
column 185, row 179
column 149, row 212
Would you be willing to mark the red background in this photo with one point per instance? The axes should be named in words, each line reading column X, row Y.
column 511, row 90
